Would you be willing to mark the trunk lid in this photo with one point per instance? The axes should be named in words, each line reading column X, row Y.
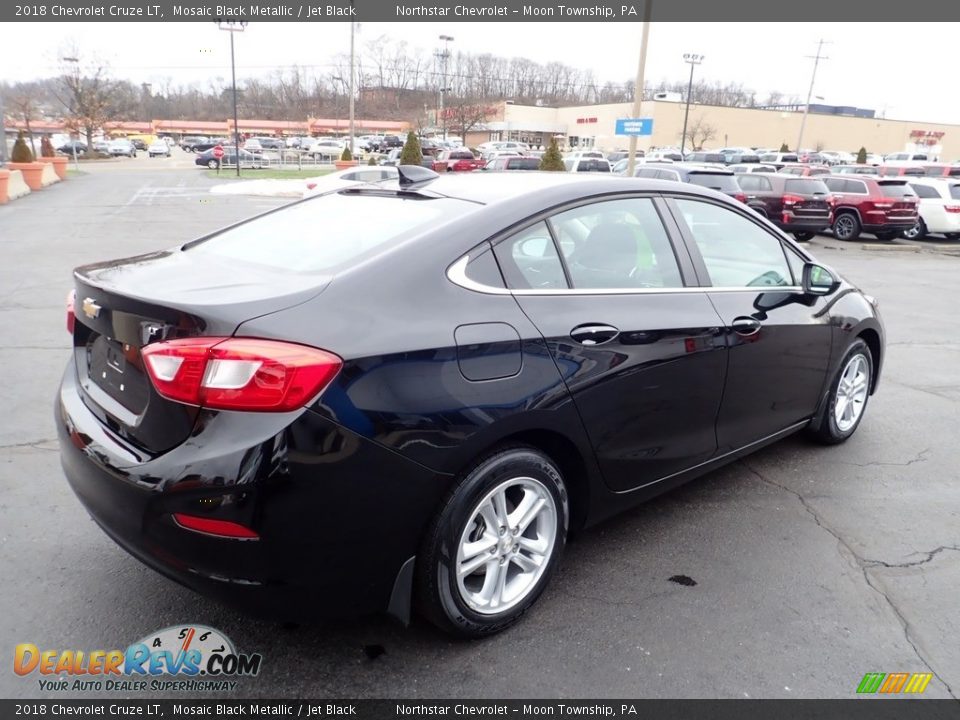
column 125, row 304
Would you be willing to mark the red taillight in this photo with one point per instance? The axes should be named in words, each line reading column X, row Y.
column 239, row 373
column 71, row 315
column 883, row 205
column 952, row 208
column 792, row 199
column 742, row 197
column 211, row 526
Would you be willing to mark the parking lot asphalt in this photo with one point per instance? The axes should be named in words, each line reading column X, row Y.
column 813, row 565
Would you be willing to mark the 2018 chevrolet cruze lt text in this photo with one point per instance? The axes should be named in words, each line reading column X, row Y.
column 406, row 395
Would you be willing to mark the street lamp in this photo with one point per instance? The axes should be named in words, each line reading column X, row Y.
column 693, row 60
column 447, row 39
column 234, row 26
column 73, row 144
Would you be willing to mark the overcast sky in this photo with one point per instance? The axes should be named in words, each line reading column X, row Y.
column 909, row 82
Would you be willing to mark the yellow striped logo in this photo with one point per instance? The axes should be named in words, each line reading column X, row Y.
column 894, row 683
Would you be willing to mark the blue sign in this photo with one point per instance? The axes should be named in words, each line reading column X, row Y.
column 635, row 126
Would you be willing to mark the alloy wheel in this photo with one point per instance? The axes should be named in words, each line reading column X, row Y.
column 843, row 227
column 852, row 392
column 506, row 545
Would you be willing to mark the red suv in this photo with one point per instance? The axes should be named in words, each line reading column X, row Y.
column 882, row 206
column 798, row 205
column 460, row 160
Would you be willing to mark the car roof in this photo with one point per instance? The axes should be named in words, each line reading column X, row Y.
column 491, row 189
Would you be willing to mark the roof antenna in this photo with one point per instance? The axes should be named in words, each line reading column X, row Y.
column 415, row 175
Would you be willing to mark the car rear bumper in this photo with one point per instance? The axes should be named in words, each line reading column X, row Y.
column 796, row 224
column 337, row 515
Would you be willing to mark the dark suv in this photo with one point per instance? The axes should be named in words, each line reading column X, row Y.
column 797, row 205
column 882, row 206
column 712, row 177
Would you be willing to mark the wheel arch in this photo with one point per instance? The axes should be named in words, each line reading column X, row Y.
column 872, row 338
column 850, row 210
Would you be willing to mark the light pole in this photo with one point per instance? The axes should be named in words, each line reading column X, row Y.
column 447, row 39
column 234, row 26
column 693, row 60
column 3, row 135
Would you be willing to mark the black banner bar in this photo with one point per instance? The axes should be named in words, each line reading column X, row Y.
column 858, row 709
column 739, row 11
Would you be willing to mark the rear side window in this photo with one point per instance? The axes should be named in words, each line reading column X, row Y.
column 925, row 191
column 807, row 186
column 895, row 190
column 322, row 234
column 529, row 260
column 955, row 192
column 617, row 244
column 716, row 181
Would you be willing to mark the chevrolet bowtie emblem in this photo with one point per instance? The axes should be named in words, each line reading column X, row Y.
column 90, row 308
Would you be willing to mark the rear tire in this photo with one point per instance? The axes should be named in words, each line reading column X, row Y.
column 917, row 232
column 212, row 164
column 494, row 544
column 846, row 227
column 887, row 235
column 847, row 399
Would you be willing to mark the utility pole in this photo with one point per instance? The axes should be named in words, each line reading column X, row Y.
column 352, row 73
column 232, row 27
column 806, row 108
column 694, row 60
column 443, row 88
column 638, row 86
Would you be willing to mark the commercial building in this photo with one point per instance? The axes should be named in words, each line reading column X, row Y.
column 594, row 126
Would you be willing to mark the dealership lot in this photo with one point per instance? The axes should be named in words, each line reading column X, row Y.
column 812, row 565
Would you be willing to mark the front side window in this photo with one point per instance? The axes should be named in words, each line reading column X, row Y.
column 736, row 252
column 617, row 244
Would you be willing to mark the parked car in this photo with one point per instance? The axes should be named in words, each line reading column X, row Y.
column 884, row 207
column 190, row 142
column 669, row 155
column 252, row 145
column 287, row 440
column 751, row 168
column 267, row 143
column 586, row 164
column 720, row 179
column 519, row 147
column 712, row 158
column 326, row 147
column 247, row 159
column 74, row 146
column 908, row 157
column 507, row 163
column 101, row 146
column 392, row 158
column 798, row 205
column 873, row 159
column 901, row 169
column 158, row 148
column 121, row 148
column 339, row 179
column 388, row 142
column 939, row 207
column 139, row 143
column 461, row 160
column 941, row 170
column 804, row 170
column 779, row 159
column 854, row 170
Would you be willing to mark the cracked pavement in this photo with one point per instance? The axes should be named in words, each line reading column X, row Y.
column 813, row 565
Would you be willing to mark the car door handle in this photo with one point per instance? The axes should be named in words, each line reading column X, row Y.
column 746, row 326
column 594, row 334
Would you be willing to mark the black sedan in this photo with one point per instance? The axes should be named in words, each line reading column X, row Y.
column 209, row 160
column 309, row 416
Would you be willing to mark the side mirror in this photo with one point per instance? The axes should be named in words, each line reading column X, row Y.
column 817, row 280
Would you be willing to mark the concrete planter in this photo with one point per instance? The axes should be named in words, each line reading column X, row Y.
column 16, row 187
column 32, row 173
column 344, row 164
column 49, row 175
column 59, row 164
column 4, row 183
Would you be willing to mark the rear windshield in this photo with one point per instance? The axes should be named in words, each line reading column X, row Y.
column 955, row 192
column 461, row 155
column 590, row 165
column 895, row 189
column 807, row 186
column 718, row 181
column 323, row 234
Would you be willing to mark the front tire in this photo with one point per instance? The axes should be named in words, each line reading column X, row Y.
column 803, row 236
column 212, row 164
column 847, row 401
column 494, row 545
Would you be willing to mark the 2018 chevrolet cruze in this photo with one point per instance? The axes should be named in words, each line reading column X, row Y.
column 407, row 395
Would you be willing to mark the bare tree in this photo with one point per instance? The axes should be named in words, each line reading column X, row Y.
column 87, row 92
column 699, row 132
